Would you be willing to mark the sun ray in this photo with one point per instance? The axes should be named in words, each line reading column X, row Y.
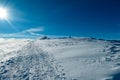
column 12, row 25
column 4, row 16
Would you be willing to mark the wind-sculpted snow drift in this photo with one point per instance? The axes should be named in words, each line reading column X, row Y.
column 60, row 59
column 31, row 63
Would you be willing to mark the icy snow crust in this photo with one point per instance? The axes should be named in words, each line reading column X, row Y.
column 59, row 59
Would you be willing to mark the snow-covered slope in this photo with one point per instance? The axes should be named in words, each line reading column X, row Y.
column 11, row 45
column 30, row 63
column 84, row 59
column 60, row 59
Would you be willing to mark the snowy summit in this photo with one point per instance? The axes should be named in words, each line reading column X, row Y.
column 59, row 59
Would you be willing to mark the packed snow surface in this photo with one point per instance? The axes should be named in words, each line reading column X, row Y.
column 59, row 59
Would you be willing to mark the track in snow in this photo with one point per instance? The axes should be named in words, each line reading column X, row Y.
column 31, row 63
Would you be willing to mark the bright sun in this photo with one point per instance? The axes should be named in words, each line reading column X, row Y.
column 3, row 13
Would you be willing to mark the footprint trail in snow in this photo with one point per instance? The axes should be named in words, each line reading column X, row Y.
column 31, row 63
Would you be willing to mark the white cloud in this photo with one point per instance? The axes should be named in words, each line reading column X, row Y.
column 32, row 32
column 38, row 29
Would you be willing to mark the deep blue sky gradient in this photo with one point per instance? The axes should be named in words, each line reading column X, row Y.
column 88, row 18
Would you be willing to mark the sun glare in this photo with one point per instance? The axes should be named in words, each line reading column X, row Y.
column 3, row 13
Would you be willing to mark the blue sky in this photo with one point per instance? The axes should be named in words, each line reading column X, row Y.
column 84, row 18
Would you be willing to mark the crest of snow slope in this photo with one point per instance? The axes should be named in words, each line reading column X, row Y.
column 81, row 59
column 85, row 59
column 30, row 63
